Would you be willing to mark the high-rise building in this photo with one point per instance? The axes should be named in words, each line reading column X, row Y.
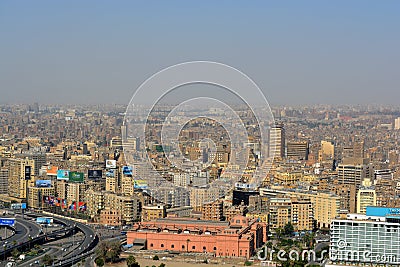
column 397, row 124
column 38, row 158
column 302, row 214
column 201, row 195
column 19, row 175
column 280, row 212
column 297, row 150
column 353, row 171
column 277, row 141
column 3, row 181
column 327, row 151
column 36, row 194
column 150, row 213
column 366, row 240
column 76, row 191
column 213, row 211
column 366, row 196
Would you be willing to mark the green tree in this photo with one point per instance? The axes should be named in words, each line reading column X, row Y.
column 47, row 259
column 109, row 251
column 161, row 265
column 288, row 229
column 99, row 262
column 15, row 253
column 156, row 258
column 131, row 262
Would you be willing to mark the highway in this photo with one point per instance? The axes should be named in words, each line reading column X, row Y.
column 25, row 228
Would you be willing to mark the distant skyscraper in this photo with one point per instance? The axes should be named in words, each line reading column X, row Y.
column 277, row 140
column 353, row 171
column 3, row 181
column 124, row 133
column 297, row 150
column 397, row 124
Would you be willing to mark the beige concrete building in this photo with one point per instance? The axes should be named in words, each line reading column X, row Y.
column 110, row 217
column 201, row 195
column 302, row 214
column 280, row 212
column 326, row 205
column 76, row 191
column 35, row 196
column 17, row 182
column 150, row 213
column 366, row 196
column 94, row 201
column 213, row 211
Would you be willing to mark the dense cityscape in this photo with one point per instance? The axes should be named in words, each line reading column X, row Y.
column 199, row 133
column 333, row 184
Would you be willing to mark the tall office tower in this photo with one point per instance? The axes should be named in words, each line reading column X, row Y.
column 366, row 240
column 36, row 107
column 39, row 159
column 397, row 124
column 277, row 140
column 353, row 171
column 85, row 149
column 124, row 133
column 385, row 174
column 19, row 175
column 3, row 181
column 358, row 149
column 366, row 196
column 297, row 150
column 327, row 151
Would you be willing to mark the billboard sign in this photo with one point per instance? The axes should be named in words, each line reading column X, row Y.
column 140, row 184
column 63, row 174
column 111, row 164
column 95, row 174
column 52, row 170
column 44, row 220
column 127, row 170
column 82, row 206
column 76, row 177
column 49, row 200
column 28, row 172
column 7, row 221
column 43, row 183
column 110, row 173
column 18, row 206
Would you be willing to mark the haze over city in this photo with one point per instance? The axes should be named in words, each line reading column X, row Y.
column 99, row 52
column 195, row 134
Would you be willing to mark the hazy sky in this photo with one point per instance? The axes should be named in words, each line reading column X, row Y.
column 296, row 51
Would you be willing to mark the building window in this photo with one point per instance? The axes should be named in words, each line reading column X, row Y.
column 183, row 246
column 162, row 245
column 193, row 247
column 204, row 248
column 151, row 245
column 215, row 248
column 172, row 246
